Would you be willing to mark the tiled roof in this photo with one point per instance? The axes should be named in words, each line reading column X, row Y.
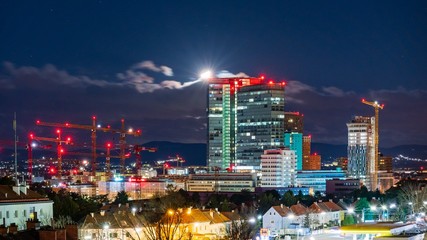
column 282, row 210
column 324, row 207
column 124, row 218
column 7, row 194
column 298, row 209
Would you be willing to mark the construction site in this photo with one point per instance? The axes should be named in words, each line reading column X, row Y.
column 65, row 157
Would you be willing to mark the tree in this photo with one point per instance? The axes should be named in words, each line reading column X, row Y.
column 412, row 196
column 266, row 201
column 240, row 230
column 288, row 199
column 363, row 208
column 121, row 198
column 348, row 220
column 167, row 225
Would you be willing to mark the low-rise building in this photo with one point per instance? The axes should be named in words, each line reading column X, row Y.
column 281, row 220
column 125, row 224
column 317, row 179
column 340, row 188
column 17, row 204
column 221, row 182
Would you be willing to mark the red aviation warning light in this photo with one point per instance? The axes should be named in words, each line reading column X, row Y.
column 283, row 83
column 262, row 76
column 52, row 170
column 270, row 82
column 108, row 145
column 166, row 165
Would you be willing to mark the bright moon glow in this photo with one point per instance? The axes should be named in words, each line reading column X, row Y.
column 206, row 74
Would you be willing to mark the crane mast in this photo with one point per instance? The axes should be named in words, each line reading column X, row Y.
column 94, row 128
column 60, row 150
column 373, row 167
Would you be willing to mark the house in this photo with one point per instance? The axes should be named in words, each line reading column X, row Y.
column 18, row 203
column 124, row 223
column 298, row 219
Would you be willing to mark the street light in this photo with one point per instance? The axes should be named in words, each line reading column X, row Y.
column 106, row 227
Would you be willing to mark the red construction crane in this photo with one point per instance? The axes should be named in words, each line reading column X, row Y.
column 94, row 128
column 373, row 167
column 137, row 151
column 60, row 150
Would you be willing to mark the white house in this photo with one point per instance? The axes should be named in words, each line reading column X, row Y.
column 282, row 220
column 18, row 204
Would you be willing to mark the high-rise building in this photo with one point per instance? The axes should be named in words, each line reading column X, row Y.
column 293, row 141
column 361, row 149
column 245, row 117
column 294, row 122
column 306, row 148
column 278, row 168
column 222, row 121
column 260, row 123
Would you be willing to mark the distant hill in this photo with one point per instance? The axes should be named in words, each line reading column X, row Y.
column 195, row 153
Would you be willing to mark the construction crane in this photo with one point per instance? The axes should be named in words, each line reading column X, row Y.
column 60, row 150
column 373, row 167
column 94, row 128
column 137, row 149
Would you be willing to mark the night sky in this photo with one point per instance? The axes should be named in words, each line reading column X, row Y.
column 140, row 60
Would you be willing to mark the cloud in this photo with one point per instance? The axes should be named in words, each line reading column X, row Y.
column 334, row 91
column 227, row 74
column 44, row 77
column 149, row 65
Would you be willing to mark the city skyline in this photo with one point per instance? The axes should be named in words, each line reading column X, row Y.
column 138, row 61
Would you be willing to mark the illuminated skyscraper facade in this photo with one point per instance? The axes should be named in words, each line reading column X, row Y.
column 260, row 123
column 222, row 122
column 245, row 117
column 361, row 149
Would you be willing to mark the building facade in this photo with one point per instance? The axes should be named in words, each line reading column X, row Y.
column 313, row 162
column 18, row 204
column 361, row 149
column 293, row 141
column 222, row 120
column 341, row 187
column 294, row 122
column 278, row 168
column 260, row 123
column 221, row 182
column 317, row 179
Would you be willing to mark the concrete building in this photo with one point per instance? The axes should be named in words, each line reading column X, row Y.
column 222, row 182
column 18, row 204
column 317, row 179
column 313, row 162
column 294, row 122
column 306, row 149
column 89, row 190
column 361, row 149
column 278, row 168
column 136, row 188
column 341, row 187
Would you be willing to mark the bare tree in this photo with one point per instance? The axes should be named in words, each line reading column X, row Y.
column 169, row 225
column 240, row 230
column 412, row 195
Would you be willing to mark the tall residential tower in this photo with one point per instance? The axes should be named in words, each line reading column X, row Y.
column 361, row 149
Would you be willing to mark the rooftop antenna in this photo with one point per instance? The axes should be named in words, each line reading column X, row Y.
column 16, row 151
